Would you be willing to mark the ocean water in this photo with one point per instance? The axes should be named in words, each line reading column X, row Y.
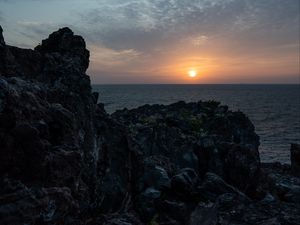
column 273, row 109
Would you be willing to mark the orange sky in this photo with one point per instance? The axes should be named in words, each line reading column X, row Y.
column 212, row 64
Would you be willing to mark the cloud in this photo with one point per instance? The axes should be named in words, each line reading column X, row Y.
column 36, row 28
column 32, row 32
column 106, row 58
column 141, row 24
column 152, row 36
column 145, row 25
column 1, row 17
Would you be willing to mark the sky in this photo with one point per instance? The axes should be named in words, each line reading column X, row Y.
column 162, row 41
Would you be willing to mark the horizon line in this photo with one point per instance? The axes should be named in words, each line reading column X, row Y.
column 195, row 84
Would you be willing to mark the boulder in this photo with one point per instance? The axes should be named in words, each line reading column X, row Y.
column 213, row 186
column 155, row 176
column 185, row 182
column 146, row 204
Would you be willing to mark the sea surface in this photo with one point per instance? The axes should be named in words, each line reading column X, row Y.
column 273, row 109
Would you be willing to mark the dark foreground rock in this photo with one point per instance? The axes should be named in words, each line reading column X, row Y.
column 64, row 160
column 295, row 158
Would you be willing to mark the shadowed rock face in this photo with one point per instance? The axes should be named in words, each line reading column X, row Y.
column 204, row 136
column 50, row 137
column 295, row 158
column 64, row 160
column 2, row 43
column 2, row 51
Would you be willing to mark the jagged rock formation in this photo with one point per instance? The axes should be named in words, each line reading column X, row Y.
column 64, row 160
column 52, row 134
column 203, row 136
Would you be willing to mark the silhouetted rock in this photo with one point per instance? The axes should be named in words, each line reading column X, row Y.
column 49, row 136
column 2, row 52
column 65, row 47
column 2, row 43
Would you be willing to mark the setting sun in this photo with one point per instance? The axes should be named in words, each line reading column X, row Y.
column 192, row 73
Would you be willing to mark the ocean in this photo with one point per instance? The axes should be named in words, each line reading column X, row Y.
column 273, row 109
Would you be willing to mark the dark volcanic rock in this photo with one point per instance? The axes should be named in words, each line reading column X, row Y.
column 2, row 52
column 155, row 176
column 203, row 136
column 295, row 158
column 196, row 138
column 64, row 46
column 49, row 136
column 64, row 160
column 22, row 205
column 213, row 186
column 185, row 181
column 2, row 43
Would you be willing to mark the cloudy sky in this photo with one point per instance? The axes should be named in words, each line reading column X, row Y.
column 159, row 41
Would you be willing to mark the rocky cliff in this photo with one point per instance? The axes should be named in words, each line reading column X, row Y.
column 64, row 160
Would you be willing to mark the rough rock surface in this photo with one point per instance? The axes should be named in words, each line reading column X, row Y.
column 52, row 134
column 204, row 136
column 295, row 158
column 64, row 160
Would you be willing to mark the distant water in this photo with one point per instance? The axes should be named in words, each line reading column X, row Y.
column 274, row 109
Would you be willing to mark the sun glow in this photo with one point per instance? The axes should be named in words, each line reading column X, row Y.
column 192, row 73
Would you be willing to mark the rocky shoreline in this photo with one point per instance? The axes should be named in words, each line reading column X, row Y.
column 64, row 160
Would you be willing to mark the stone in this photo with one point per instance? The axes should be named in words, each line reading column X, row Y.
column 205, row 214
column 185, row 181
column 155, row 176
column 174, row 210
column 21, row 205
column 96, row 97
column 214, row 186
column 146, row 204
column 241, row 167
column 295, row 158
column 116, row 219
column 151, row 193
column 292, row 195
column 273, row 221
column 269, row 199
